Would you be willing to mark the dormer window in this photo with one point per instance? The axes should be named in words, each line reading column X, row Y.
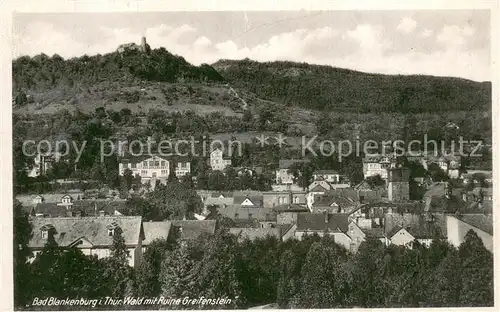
column 45, row 230
column 111, row 228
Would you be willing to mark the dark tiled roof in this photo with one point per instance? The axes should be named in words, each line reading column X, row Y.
column 255, row 233
column 193, row 228
column 238, row 212
column 480, row 221
column 85, row 207
column 418, row 225
column 93, row 229
column 321, row 222
column 290, row 208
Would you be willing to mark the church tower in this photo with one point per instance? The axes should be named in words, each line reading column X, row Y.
column 398, row 188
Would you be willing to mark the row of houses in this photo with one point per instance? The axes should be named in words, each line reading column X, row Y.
column 378, row 164
column 94, row 235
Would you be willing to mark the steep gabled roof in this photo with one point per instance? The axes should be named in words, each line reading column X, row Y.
column 416, row 224
column 480, row 221
column 191, row 229
column 93, row 229
column 322, row 222
column 155, row 230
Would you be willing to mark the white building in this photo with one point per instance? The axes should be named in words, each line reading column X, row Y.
column 152, row 168
column 43, row 163
column 330, row 176
column 218, row 161
column 377, row 165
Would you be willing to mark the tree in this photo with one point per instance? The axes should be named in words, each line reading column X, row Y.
column 148, row 280
column 477, row 272
column 128, row 178
column 446, row 282
column 325, row 281
column 45, row 269
column 22, row 236
column 375, row 181
column 117, row 272
column 174, row 201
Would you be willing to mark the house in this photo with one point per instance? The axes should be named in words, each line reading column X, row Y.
column 191, row 229
column 283, row 174
column 458, row 225
column 404, row 229
column 182, row 168
column 287, row 214
column 237, row 212
column 334, row 203
column 449, row 163
column 469, row 176
column 155, row 231
column 278, row 198
column 330, row 176
column 377, row 164
column 43, row 162
column 79, row 208
column 317, row 187
column 187, row 229
column 336, row 225
column 92, row 235
column 253, row 201
column 219, row 161
column 148, row 168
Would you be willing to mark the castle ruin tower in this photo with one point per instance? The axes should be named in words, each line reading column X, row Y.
column 143, row 44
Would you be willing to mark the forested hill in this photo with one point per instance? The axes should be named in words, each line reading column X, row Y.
column 327, row 88
column 43, row 72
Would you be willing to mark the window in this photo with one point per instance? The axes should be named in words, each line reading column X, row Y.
column 45, row 234
column 144, row 172
column 133, row 165
column 154, row 174
column 157, row 163
column 111, row 232
column 144, row 164
column 236, row 216
column 163, row 163
column 151, row 163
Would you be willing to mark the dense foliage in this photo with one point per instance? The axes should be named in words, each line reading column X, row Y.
column 327, row 88
column 312, row 273
column 43, row 72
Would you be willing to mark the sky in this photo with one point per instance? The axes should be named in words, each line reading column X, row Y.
column 452, row 43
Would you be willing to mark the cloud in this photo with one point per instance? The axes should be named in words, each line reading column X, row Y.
column 453, row 36
column 369, row 37
column 407, row 25
column 426, row 33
